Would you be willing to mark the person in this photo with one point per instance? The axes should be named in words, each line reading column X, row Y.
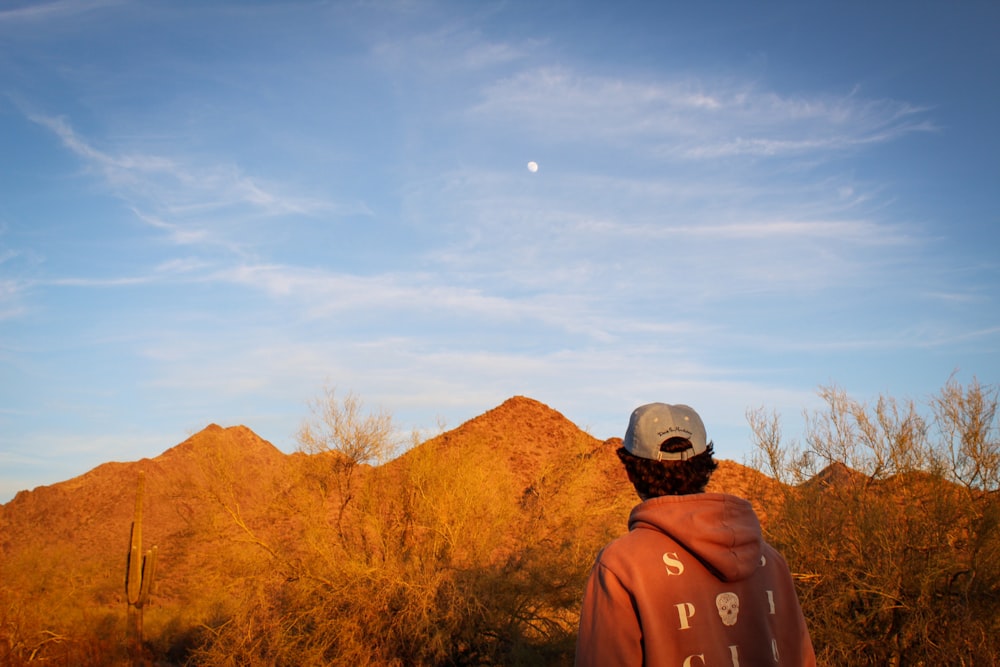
column 693, row 583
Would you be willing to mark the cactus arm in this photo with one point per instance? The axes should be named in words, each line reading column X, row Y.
column 132, row 577
column 148, row 572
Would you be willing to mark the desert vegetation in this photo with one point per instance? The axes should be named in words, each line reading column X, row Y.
column 889, row 517
column 445, row 557
column 472, row 547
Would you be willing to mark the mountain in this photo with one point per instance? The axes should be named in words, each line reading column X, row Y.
column 75, row 534
column 524, row 438
column 215, row 500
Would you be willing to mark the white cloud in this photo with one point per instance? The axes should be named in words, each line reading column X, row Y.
column 957, row 297
column 324, row 294
column 12, row 293
column 449, row 50
column 692, row 119
column 117, row 168
column 857, row 232
column 99, row 282
column 36, row 11
column 187, row 198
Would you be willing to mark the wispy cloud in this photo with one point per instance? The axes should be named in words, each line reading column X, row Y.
column 857, row 232
column 38, row 11
column 176, row 233
column 324, row 294
column 117, row 168
column 693, row 119
column 453, row 48
column 188, row 192
column 99, row 282
column 11, row 299
column 957, row 297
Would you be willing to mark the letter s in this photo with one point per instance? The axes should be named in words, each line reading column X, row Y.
column 674, row 565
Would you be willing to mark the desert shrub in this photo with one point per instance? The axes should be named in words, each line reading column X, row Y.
column 889, row 522
column 443, row 558
column 44, row 610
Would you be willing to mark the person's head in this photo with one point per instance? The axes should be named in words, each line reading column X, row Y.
column 666, row 451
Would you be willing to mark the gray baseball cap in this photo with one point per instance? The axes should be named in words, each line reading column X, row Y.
column 652, row 424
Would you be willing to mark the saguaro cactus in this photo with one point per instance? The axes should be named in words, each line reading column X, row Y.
column 140, row 569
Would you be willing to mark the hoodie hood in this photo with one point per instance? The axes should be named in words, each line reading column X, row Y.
column 722, row 531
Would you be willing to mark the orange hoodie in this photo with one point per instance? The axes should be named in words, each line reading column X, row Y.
column 692, row 584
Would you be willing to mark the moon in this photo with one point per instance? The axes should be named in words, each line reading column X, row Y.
column 532, row 166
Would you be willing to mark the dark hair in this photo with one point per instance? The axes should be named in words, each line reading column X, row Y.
column 652, row 479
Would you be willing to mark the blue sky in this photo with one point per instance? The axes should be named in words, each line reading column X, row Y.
column 209, row 211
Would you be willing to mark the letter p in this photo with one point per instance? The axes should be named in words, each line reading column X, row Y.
column 685, row 611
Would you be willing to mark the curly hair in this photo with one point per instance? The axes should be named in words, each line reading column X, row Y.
column 669, row 478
